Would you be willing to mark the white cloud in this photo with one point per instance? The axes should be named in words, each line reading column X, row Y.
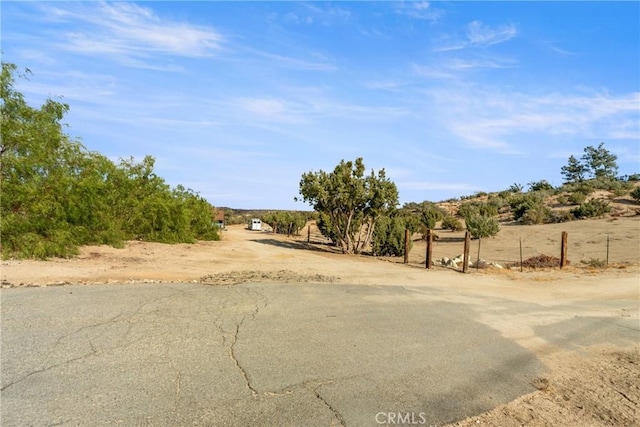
column 498, row 120
column 294, row 63
column 484, row 35
column 477, row 35
column 419, row 10
column 263, row 106
column 130, row 33
column 456, row 67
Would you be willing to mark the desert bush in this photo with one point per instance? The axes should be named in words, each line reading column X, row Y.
column 536, row 214
column 619, row 192
column 563, row 199
column 468, row 209
column 388, row 236
column 592, row 208
column 595, row 263
column 577, row 198
column 500, row 203
column 521, row 203
column 428, row 214
column 452, row 223
column 542, row 185
column 635, row 194
column 482, row 226
column 560, row 216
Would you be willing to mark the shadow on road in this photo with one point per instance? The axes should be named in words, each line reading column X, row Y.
column 295, row 245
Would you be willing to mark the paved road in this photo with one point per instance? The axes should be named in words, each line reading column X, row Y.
column 260, row 354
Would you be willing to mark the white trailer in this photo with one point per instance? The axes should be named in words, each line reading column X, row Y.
column 255, row 224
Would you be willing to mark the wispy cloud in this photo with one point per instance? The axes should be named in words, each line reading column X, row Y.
column 318, row 63
column 492, row 118
column 477, row 35
column 419, row 10
column 455, row 67
column 483, row 35
column 130, row 33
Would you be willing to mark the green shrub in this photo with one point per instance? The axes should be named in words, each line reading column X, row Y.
column 536, row 214
column 563, row 199
column 429, row 215
column 577, row 198
column 468, row 209
column 542, row 185
column 521, row 203
column 592, row 208
column 515, row 188
column 452, row 223
column 482, row 226
column 285, row 222
column 388, row 236
column 636, row 194
column 561, row 216
column 56, row 195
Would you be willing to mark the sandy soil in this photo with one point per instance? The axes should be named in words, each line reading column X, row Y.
column 598, row 387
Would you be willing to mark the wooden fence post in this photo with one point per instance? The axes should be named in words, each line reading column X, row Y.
column 309, row 234
column 521, row 255
column 406, row 246
column 429, row 249
column 467, row 248
column 563, row 250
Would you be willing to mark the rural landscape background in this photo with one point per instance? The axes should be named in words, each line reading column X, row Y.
column 139, row 140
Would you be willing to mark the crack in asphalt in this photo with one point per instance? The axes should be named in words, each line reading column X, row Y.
column 178, row 382
column 93, row 352
column 336, row 413
column 233, row 356
column 113, row 319
column 260, row 304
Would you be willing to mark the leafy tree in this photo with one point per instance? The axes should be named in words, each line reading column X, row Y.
column 574, row 171
column 482, row 226
column 352, row 201
column 326, row 228
column 600, row 162
column 285, row 222
column 429, row 215
column 56, row 195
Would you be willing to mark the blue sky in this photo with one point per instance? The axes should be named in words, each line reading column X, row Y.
column 237, row 99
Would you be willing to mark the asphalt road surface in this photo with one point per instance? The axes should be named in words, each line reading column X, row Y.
column 261, row 355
